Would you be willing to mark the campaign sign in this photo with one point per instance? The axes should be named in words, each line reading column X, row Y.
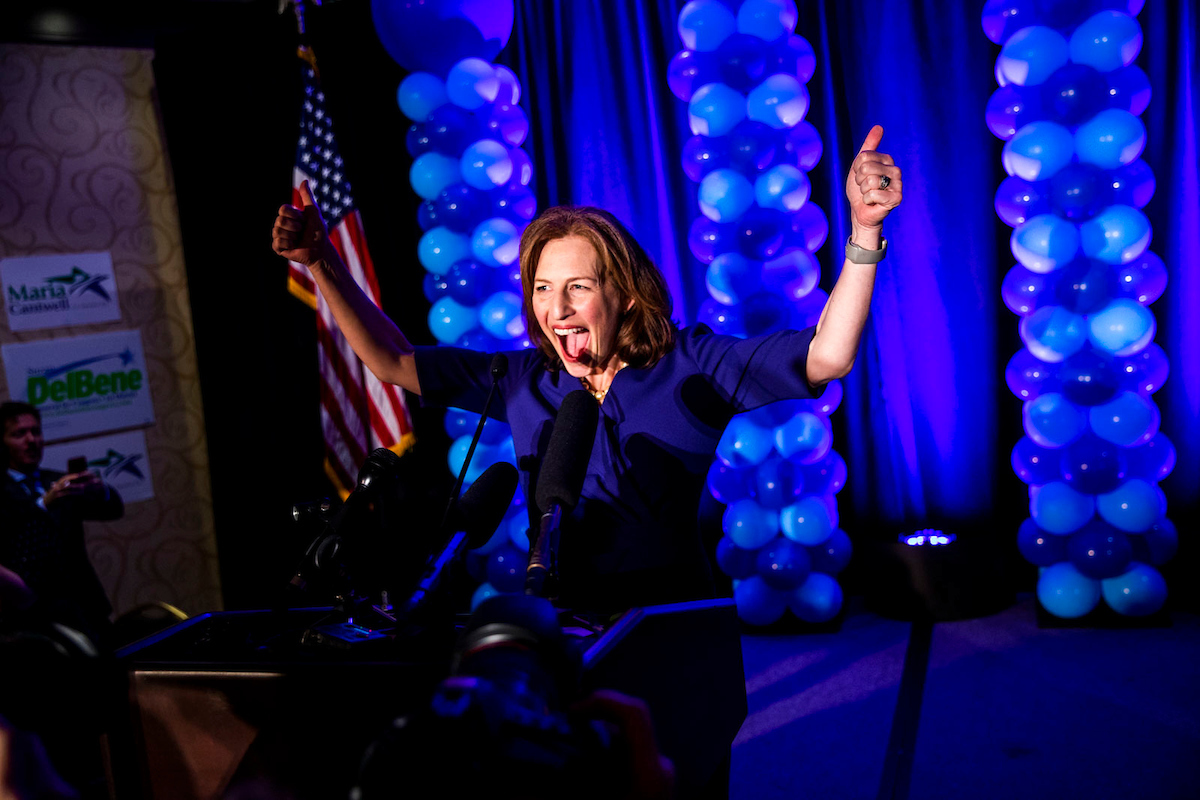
column 118, row 459
column 83, row 384
column 54, row 291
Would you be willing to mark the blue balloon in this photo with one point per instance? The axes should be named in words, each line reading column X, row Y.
column 715, row 109
column 792, row 274
column 828, row 402
column 1132, row 507
column 1011, row 108
column 451, row 128
column 1039, row 547
column 806, row 312
column 448, row 321
column 431, row 172
column 706, row 239
column 796, row 57
column 1053, row 421
column 1045, row 243
column 460, row 207
column 1024, row 291
column 725, row 320
column 1157, row 544
column 806, row 438
column 506, row 569
column 761, row 232
column 1028, row 376
column 514, row 202
column 703, row 154
column 481, row 459
column 832, row 555
column 782, row 187
column 1057, row 508
column 1093, row 466
column 1129, row 90
column 704, row 24
column 1089, row 378
column 783, row 564
column 1075, row 92
column 482, row 592
column 1034, row 464
column 518, row 531
column 434, row 286
column 1038, row 150
column 810, row 227
column 1003, row 18
column 727, row 484
column 803, row 144
column 432, row 36
column 507, row 123
column 734, row 561
column 827, row 476
column 754, row 147
column 817, row 600
column 1052, row 333
column 469, row 282
column 1146, row 370
column 742, row 61
column 1143, row 280
column 1133, row 184
column 501, row 315
column 1082, row 286
column 807, row 521
column 419, row 94
column 1138, row 592
column 749, row 525
column 510, row 87
column 743, row 443
column 689, row 70
column 416, row 141
column 481, row 341
column 522, row 166
column 1129, row 419
column 1066, row 592
column 777, row 483
column 1018, row 200
column 440, row 247
column 731, row 278
column 1099, row 551
column 725, row 195
column 1154, row 460
column 496, row 242
column 485, row 164
column 1079, row 191
column 769, row 20
column 772, row 415
column 1111, row 139
column 757, row 603
column 780, row 101
column 1031, row 55
column 1107, row 41
column 1123, row 327
column 472, row 83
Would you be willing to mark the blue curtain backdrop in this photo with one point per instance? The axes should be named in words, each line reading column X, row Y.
column 928, row 423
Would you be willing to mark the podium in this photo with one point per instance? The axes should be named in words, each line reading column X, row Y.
column 229, row 697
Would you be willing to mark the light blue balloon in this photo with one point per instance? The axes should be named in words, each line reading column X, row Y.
column 818, row 599
column 485, row 164
column 501, row 315
column 724, row 195
column 1045, row 243
column 782, row 187
column 1133, row 506
column 704, row 24
column 1031, row 55
column 1052, row 420
column 715, row 110
column 1066, row 592
column 1038, row 151
column 1107, row 41
column 749, row 525
column 432, row 172
column 1053, row 334
column 481, row 459
column 805, row 438
column 743, row 443
column 731, row 278
column 440, row 247
column 1123, row 327
column 757, row 603
column 1117, row 235
column 472, row 83
column 449, row 320
column 1111, row 139
column 767, row 19
column 1140, row 591
column 1057, row 508
column 419, row 94
column 807, row 521
column 482, row 592
column 780, row 101
column 496, row 242
column 1129, row 419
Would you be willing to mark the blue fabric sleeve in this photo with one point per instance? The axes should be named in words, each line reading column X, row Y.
column 452, row 377
column 756, row 371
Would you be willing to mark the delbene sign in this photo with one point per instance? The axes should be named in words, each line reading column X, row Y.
column 119, row 459
column 59, row 290
column 82, row 385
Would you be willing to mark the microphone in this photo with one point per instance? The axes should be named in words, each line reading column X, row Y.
column 498, row 369
column 475, row 517
column 560, row 481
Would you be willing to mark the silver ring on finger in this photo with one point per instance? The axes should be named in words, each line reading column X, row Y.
column 884, row 182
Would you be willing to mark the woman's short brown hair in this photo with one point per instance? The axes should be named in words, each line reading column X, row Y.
column 646, row 333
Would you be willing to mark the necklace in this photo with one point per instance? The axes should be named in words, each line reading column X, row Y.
column 600, row 394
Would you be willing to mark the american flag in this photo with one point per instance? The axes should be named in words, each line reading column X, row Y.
column 359, row 413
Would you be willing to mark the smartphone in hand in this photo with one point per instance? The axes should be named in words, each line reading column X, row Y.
column 77, row 464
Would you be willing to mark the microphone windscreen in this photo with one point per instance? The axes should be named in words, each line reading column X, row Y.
column 481, row 508
column 560, row 479
column 499, row 366
column 380, row 464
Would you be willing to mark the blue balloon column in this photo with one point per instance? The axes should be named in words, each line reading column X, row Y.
column 1068, row 110
column 743, row 76
column 470, row 170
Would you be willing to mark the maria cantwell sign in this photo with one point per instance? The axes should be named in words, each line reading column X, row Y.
column 55, row 291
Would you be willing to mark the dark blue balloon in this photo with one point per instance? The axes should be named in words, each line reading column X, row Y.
column 761, row 233
column 1099, row 550
column 801, row 144
column 1012, row 107
column 1092, row 465
column 427, row 215
column 1157, row 544
column 1082, row 286
column 1018, row 200
column 1079, row 191
column 766, row 313
column 708, row 239
column 434, row 286
column 514, row 202
column 734, row 561
column 451, row 128
column 826, row 477
column 703, row 154
column 777, row 483
column 1129, row 89
column 721, row 318
column 1028, row 376
column 793, row 55
column 810, row 228
column 1038, row 547
column 783, row 564
column 1089, row 378
column 689, row 70
column 1133, row 184
column 1003, row 18
column 1024, row 291
column 434, row 36
column 1034, row 464
column 470, row 282
column 417, row 140
column 832, row 555
column 461, row 207
column 1145, row 371
column 481, row 341
column 1152, row 461
column 1074, row 92
column 743, row 61
column 753, row 146
column 506, row 568
column 727, row 484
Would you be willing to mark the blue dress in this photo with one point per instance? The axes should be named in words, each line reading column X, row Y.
column 633, row 539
